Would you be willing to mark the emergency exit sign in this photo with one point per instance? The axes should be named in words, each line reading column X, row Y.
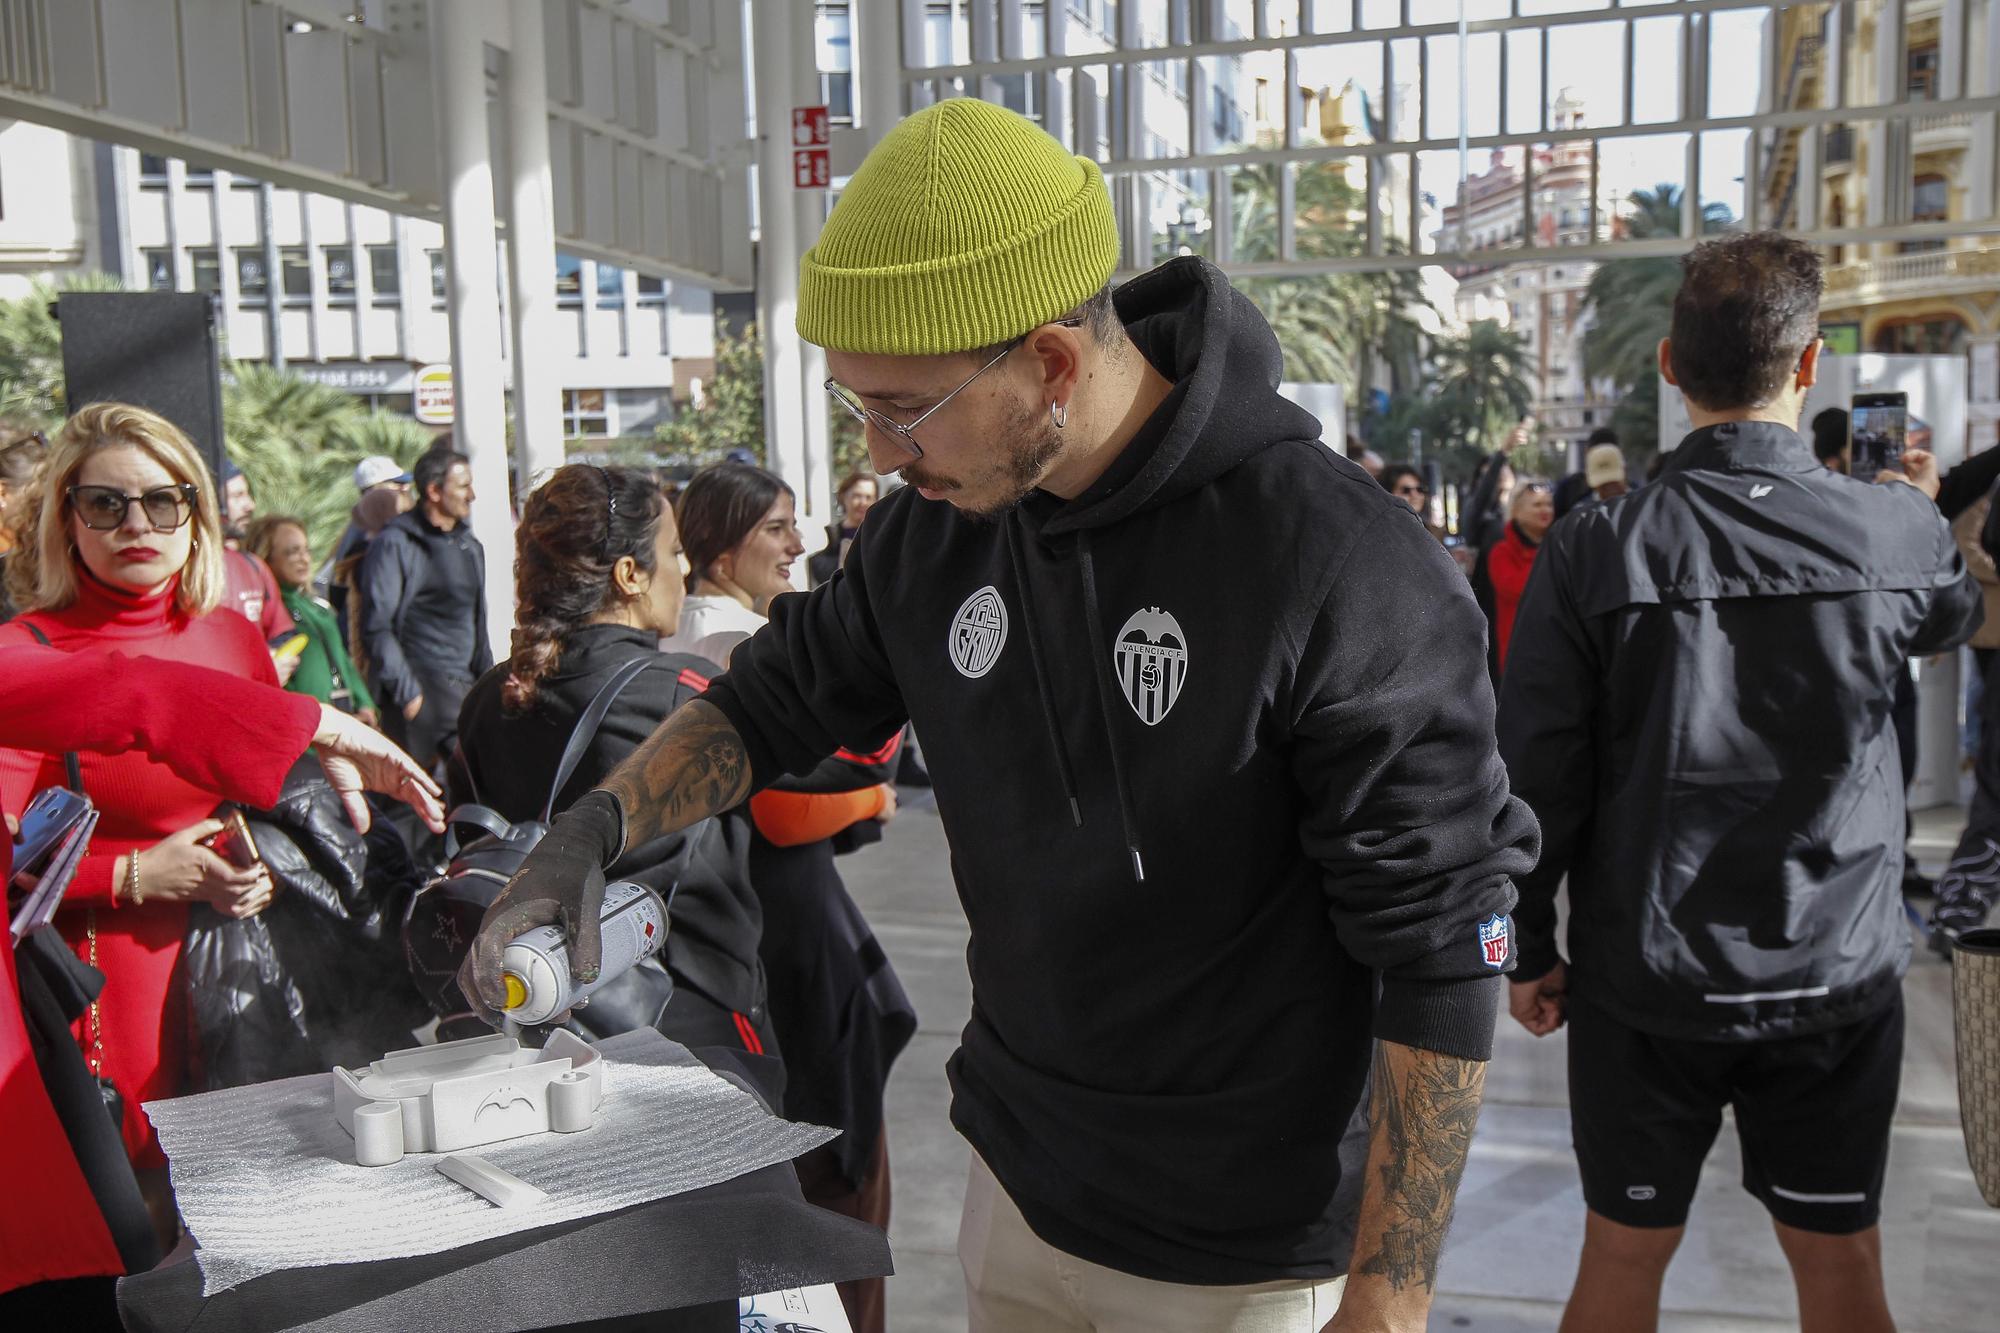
column 810, row 168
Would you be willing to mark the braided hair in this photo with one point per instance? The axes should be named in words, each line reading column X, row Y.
column 575, row 527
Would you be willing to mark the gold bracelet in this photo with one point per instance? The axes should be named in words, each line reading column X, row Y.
column 132, row 894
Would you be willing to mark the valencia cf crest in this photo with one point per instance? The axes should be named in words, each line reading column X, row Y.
column 978, row 633
column 1152, row 660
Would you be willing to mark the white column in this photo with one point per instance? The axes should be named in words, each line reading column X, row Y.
column 531, row 254
column 458, row 69
column 809, row 209
column 777, row 242
column 877, row 42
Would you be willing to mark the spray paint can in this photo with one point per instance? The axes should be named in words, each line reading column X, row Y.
column 535, row 967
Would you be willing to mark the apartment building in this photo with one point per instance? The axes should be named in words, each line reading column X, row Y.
column 1541, row 301
column 1939, row 295
column 343, row 293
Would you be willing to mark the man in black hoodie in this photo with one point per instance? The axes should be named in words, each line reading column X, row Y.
column 1216, row 834
column 1697, row 708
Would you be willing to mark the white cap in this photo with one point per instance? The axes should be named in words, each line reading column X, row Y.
column 376, row 469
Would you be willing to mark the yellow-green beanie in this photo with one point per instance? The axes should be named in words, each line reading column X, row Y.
column 966, row 226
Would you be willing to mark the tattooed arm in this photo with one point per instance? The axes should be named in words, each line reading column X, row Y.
column 689, row 769
column 692, row 767
column 1423, row 1109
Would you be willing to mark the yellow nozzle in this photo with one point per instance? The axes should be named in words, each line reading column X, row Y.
column 517, row 990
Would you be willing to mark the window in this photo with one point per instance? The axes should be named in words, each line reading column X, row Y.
column 339, row 273
column 297, row 271
column 569, row 280
column 836, row 62
column 437, row 274
column 152, row 171
column 385, row 273
column 610, row 286
column 1930, row 201
column 159, row 269
column 584, row 412
column 652, row 291
column 207, row 270
column 1923, row 65
column 251, row 280
column 1936, row 335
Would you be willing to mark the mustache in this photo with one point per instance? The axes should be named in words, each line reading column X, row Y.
column 924, row 480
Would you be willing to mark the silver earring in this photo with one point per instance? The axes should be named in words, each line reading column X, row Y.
column 1059, row 414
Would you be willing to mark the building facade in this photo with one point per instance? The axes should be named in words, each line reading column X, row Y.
column 1542, row 301
column 343, row 293
column 1938, row 295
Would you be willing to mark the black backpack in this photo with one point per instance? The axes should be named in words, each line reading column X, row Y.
column 445, row 915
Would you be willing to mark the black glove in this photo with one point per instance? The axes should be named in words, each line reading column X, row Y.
column 561, row 882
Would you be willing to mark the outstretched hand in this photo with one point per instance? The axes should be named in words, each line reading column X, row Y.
column 358, row 759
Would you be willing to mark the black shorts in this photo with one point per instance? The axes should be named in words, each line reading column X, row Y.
column 1813, row 1113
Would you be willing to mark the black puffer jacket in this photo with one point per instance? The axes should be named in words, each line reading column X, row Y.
column 423, row 614
column 315, row 980
column 1696, row 707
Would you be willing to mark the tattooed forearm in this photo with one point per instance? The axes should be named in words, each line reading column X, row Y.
column 692, row 767
column 1425, row 1107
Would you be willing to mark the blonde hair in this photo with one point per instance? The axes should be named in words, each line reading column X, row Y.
column 41, row 574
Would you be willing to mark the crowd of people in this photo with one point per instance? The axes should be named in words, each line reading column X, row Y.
column 122, row 546
column 1251, row 867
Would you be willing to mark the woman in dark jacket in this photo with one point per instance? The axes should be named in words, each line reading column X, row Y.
column 599, row 571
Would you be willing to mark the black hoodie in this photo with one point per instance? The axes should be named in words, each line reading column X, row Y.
column 1213, row 747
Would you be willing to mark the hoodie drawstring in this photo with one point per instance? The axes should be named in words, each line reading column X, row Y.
column 1101, row 671
column 1042, row 685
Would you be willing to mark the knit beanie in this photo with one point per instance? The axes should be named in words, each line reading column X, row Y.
column 966, row 226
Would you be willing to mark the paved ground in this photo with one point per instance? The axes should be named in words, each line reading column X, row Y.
column 1512, row 1252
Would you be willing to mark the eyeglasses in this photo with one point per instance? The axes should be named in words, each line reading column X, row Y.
column 1411, row 488
column 103, row 508
column 888, row 425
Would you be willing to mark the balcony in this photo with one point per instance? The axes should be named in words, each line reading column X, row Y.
column 1838, row 150
column 1935, row 134
column 1933, row 273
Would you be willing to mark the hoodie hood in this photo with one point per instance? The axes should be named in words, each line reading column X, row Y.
column 1212, row 342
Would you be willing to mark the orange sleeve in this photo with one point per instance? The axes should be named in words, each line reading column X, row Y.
column 794, row 818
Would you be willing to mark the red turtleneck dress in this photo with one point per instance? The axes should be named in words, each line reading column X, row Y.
column 141, row 1014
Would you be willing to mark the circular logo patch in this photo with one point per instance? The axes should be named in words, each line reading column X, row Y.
column 978, row 633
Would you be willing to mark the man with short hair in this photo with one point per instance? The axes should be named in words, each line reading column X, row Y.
column 377, row 472
column 1696, row 708
column 423, row 615
column 1216, row 833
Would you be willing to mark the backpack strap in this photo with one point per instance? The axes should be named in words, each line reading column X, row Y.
column 478, row 816
column 587, row 725
column 72, row 769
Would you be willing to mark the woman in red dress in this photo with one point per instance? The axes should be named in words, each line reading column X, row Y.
column 121, row 551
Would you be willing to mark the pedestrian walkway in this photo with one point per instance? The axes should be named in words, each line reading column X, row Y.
column 1513, row 1249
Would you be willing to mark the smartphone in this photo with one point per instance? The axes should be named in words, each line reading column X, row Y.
column 289, row 644
column 1879, row 426
column 234, row 843
column 49, row 818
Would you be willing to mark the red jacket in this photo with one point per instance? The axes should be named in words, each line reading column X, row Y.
column 1498, row 582
column 200, row 723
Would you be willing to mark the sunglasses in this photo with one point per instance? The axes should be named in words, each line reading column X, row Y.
column 1411, row 488
column 103, row 508
column 32, row 440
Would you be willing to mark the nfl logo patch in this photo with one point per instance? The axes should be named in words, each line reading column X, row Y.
column 1493, row 947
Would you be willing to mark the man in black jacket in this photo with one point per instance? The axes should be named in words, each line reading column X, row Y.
column 1696, row 707
column 1215, row 833
column 423, row 615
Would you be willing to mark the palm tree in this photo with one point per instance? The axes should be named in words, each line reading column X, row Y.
column 31, row 369
column 1630, row 303
column 1334, row 327
column 298, row 441
column 1480, row 383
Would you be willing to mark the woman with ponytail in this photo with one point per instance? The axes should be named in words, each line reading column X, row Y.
column 599, row 573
